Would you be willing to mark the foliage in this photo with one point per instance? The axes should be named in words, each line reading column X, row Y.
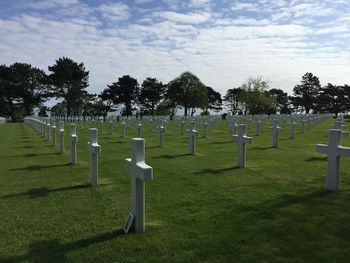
column 306, row 93
column 214, row 101
column 151, row 94
column 69, row 80
column 232, row 100
column 22, row 87
column 187, row 91
column 125, row 92
column 281, row 101
column 254, row 96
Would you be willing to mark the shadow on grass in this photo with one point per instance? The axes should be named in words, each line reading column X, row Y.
column 31, row 146
column 153, row 147
column 38, row 167
column 307, row 199
column 262, row 148
column 314, row 158
column 44, row 191
column 220, row 142
column 120, row 142
column 34, row 154
column 168, row 156
column 216, row 171
column 54, row 251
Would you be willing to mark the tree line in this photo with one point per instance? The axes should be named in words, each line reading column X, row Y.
column 24, row 88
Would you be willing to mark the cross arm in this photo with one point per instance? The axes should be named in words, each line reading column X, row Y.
column 344, row 151
column 94, row 148
column 322, row 148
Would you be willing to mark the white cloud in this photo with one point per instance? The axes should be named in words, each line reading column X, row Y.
column 115, row 12
column 222, row 50
column 191, row 18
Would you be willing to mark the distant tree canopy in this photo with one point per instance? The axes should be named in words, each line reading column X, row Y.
column 69, row 80
column 306, row 93
column 151, row 94
column 125, row 91
column 254, row 96
column 232, row 100
column 22, row 87
column 282, row 102
column 187, row 91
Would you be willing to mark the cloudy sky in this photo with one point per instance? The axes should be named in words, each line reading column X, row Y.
column 222, row 42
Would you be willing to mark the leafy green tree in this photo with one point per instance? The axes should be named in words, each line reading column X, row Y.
column 254, row 96
column 22, row 87
column 306, row 94
column 151, row 94
column 214, row 101
column 331, row 99
column 187, row 91
column 69, row 81
column 232, row 100
column 125, row 92
column 59, row 109
column 281, row 100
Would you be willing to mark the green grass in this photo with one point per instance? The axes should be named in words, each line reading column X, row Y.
column 198, row 208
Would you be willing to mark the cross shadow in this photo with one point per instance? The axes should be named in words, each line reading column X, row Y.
column 314, row 158
column 307, row 199
column 216, row 171
column 220, row 142
column 120, row 142
column 262, row 148
column 44, row 191
column 54, row 251
column 153, row 147
column 38, row 167
column 168, row 156
column 34, row 154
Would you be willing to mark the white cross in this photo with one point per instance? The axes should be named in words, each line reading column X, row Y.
column 192, row 141
column 161, row 130
column 95, row 150
column 334, row 151
column 73, row 143
column 258, row 125
column 140, row 172
column 61, row 146
column 205, row 125
column 122, row 129
column 110, row 127
column 292, row 129
column 339, row 126
column 275, row 130
column 242, row 140
column 138, row 127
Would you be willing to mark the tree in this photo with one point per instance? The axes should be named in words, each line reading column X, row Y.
column 106, row 102
column 331, row 99
column 306, row 93
column 187, row 91
column 151, row 94
column 59, row 109
column 254, row 96
column 281, row 99
column 69, row 81
column 126, row 92
column 232, row 100
column 22, row 87
column 214, row 101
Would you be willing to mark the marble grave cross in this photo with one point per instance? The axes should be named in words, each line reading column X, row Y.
column 334, row 151
column 140, row 172
column 242, row 139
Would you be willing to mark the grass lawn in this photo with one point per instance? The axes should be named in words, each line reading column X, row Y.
column 198, row 208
